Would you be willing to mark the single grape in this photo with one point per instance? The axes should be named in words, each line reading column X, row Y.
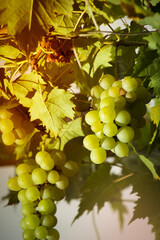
column 28, row 234
column 22, row 168
column 108, row 143
column 134, row 122
column 143, row 95
column 58, row 194
column 98, row 155
column 91, row 141
column 41, row 156
column 70, row 168
column 120, row 102
column 47, row 192
column 21, row 141
column 99, row 134
column 53, row 176
column 47, row 164
column 8, row 138
column 32, row 193
column 121, row 149
column 27, row 209
column 41, row 232
column 91, row 117
column 96, row 91
column 125, row 134
column 39, row 176
column 141, row 122
column 53, row 234
column 6, row 125
column 137, row 134
column 107, row 114
column 23, row 223
column 129, row 84
column 48, row 221
column 62, row 183
column 13, row 184
column 4, row 113
column 106, row 81
column 32, row 221
column 110, row 129
column 22, row 196
column 139, row 109
column 21, row 133
column 123, row 118
column 47, row 206
column 117, row 84
column 108, row 101
column 25, row 180
column 114, row 92
column 97, row 126
column 131, row 96
column 58, row 157
column 104, row 94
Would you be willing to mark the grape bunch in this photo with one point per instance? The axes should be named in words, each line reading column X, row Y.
column 117, row 116
column 13, row 127
column 41, row 182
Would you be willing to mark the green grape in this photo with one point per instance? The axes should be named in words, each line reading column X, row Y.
column 21, row 133
column 120, row 102
column 139, row 109
column 28, row 234
column 32, row 221
column 108, row 143
column 96, row 91
column 25, row 180
column 114, row 92
column 129, row 84
column 137, row 134
column 143, row 95
column 27, row 209
column 48, row 221
column 131, row 96
column 41, row 156
column 91, row 141
column 117, row 84
column 99, row 134
column 47, row 206
column 106, row 81
column 125, row 134
column 8, row 138
column 13, row 184
column 53, row 176
column 47, row 192
column 20, row 141
column 4, row 114
column 104, row 94
column 6, row 125
column 32, row 193
column 39, row 176
column 31, row 162
column 98, row 155
column 58, row 194
column 41, row 232
column 70, row 168
column 22, row 196
column 97, row 126
column 110, row 129
column 108, row 101
column 121, row 149
column 123, row 118
column 134, row 122
column 91, row 117
column 47, row 164
column 53, row 234
column 107, row 114
column 23, row 223
column 22, row 168
column 62, row 183
column 141, row 122
column 58, row 157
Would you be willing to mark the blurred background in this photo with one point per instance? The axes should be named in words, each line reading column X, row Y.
column 106, row 221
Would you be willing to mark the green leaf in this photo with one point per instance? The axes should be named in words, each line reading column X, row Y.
column 155, row 83
column 52, row 108
column 98, row 189
column 153, row 40
column 153, row 21
column 71, row 130
column 155, row 114
column 10, row 52
column 63, row 7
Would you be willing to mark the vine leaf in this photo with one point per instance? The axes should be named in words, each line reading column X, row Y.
column 9, row 52
column 98, row 189
column 52, row 108
column 155, row 114
column 71, row 130
column 153, row 20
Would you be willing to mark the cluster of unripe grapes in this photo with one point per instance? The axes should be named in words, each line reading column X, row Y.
column 117, row 116
column 41, row 182
column 13, row 127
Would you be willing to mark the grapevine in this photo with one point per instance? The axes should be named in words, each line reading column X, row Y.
column 79, row 95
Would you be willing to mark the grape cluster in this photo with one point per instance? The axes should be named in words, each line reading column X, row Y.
column 41, row 182
column 13, row 127
column 117, row 116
